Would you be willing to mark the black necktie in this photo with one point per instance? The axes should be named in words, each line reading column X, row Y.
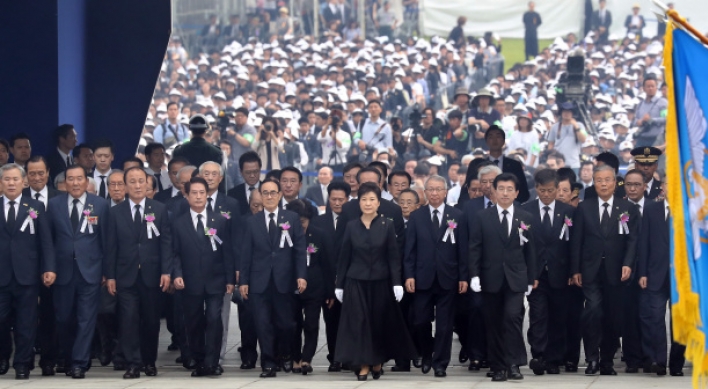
column 210, row 207
column 68, row 161
column 200, row 224
column 496, row 162
column 605, row 222
column 158, row 181
column 102, row 188
column 436, row 219
column 489, row 204
column 505, row 223
column 546, row 222
column 137, row 219
column 272, row 229
column 11, row 216
column 75, row 215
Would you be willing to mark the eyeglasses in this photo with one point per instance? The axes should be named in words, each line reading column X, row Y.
column 505, row 190
column 273, row 193
column 116, row 184
column 435, row 190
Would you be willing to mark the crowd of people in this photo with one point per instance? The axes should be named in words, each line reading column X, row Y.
column 430, row 204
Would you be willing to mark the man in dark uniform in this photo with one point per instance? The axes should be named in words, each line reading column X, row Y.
column 198, row 150
column 531, row 22
column 646, row 159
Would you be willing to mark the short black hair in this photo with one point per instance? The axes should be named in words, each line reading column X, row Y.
column 132, row 159
column 152, row 179
column 339, row 185
column 454, row 114
column 242, row 110
column 37, row 158
column 352, row 165
column 566, row 173
column 5, row 143
column 635, row 171
column 75, row 166
column 267, row 180
column 104, row 143
column 292, row 169
column 125, row 173
column 152, row 147
column 171, row 103
column 368, row 169
column 298, row 206
column 77, row 150
column 18, row 136
column 195, row 180
column 506, row 177
column 546, row 176
column 609, row 159
column 61, row 132
column 369, row 187
column 411, row 191
column 400, row 173
column 249, row 156
column 177, row 160
column 494, row 127
column 381, row 166
column 585, row 163
column 374, row 101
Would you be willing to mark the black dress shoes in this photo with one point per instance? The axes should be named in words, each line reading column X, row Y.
column 660, row 370
column 463, row 356
column 268, row 373
column 22, row 373
column 427, row 365
column 537, row 366
column 132, row 372
column 4, row 366
column 60, row 367
column 78, row 373
column 593, row 368
column 47, row 371
column 172, row 347
column 631, row 370
column 552, row 369
column 334, row 367
column 515, row 373
column 179, row 360
column 105, row 358
column 401, row 369
column 440, row 373
column 418, row 362
column 474, row 366
column 306, row 369
column 491, row 373
column 190, row 364
column 676, row 373
column 150, row 370
column 297, row 370
column 287, row 366
column 119, row 365
column 248, row 365
column 499, row 376
column 608, row 371
column 202, row 371
column 571, row 367
column 377, row 374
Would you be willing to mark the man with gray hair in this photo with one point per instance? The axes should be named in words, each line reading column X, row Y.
column 435, row 269
column 26, row 250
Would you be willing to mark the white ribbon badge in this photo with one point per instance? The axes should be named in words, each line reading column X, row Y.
column 86, row 223
column 451, row 233
column 214, row 240
column 522, row 238
column 27, row 222
column 308, row 259
column 565, row 233
column 623, row 228
column 285, row 235
column 152, row 229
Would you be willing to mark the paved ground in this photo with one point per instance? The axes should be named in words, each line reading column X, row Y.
column 175, row 377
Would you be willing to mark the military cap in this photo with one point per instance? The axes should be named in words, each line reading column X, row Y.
column 646, row 154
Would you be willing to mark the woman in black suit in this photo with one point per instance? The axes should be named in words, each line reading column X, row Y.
column 372, row 329
column 320, row 288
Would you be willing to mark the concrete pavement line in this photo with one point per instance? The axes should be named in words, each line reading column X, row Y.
column 594, row 380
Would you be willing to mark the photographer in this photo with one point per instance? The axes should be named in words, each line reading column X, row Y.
column 650, row 115
column 481, row 116
column 375, row 133
column 240, row 137
column 335, row 142
column 454, row 138
column 268, row 143
column 428, row 134
column 567, row 136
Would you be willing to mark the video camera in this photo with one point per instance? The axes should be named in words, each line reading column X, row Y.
column 574, row 86
column 224, row 120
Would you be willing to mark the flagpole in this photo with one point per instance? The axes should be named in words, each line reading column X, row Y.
column 677, row 18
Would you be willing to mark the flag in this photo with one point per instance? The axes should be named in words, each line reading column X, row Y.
column 685, row 61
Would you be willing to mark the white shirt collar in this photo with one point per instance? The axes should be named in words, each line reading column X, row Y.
column 63, row 155
column 132, row 205
column 640, row 203
column 175, row 191
column 82, row 200
column 267, row 216
column 44, row 193
column 600, row 202
column 6, row 201
column 194, row 216
column 510, row 210
column 487, row 201
column 649, row 184
column 97, row 176
column 552, row 207
column 440, row 209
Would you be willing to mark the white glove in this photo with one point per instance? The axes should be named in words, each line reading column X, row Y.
column 528, row 292
column 339, row 294
column 398, row 292
column 475, row 285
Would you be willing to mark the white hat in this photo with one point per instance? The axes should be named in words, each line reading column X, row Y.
column 626, row 145
column 219, row 95
column 175, row 92
column 161, row 108
column 589, row 142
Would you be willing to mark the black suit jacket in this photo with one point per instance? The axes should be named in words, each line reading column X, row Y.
column 165, row 195
column 51, row 193
column 129, row 251
column 554, row 252
column 56, row 164
column 597, row 22
column 591, row 192
column 320, row 272
column 352, row 211
column 428, row 257
column 263, row 259
column 653, row 192
column 369, row 254
column 494, row 255
column 24, row 255
column 508, row 166
column 654, row 248
column 203, row 269
column 314, row 193
column 239, row 193
column 589, row 243
column 325, row 223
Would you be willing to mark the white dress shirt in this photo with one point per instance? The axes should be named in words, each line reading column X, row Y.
column 164, row 178
column 552, row 209
column 195, row 220
column 248, row 192
column 267, row 217
column 43, row 195
column 335, row 216
column 213, row 200
column 666, row 210
column 79, row 205
column 487, row 201
column 440, row 210
column 64, row 157
column 6, row 203
column 601, row 209
column 325, row 194
column 500, row 159
column 509, row 216
column 640, row 204
column 142, row 209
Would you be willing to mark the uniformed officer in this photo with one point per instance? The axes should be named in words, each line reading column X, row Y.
column 198, row 150
column 646, row 159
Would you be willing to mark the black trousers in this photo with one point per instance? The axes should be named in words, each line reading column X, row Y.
column 307, row 325
column 652, row 314
column 202, row 314
column 168, row 312
column 573, row 330
column 139, row 315
column 47, row 332
column 434, row 304
column 602, row 319
column 547, row 318
column 331, row 319
column 406, row 305
column 23, row 300
column 180, row 325
column 273, row 311
column 631, row 329
column 249, row 338
column 6, row 337
column 469, row 325
column 503, row 318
